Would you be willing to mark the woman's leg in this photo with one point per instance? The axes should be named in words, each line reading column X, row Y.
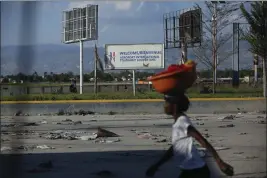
column 203, row 172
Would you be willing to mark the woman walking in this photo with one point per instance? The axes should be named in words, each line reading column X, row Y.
column 184, row 152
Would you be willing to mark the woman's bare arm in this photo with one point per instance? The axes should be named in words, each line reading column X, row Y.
column 193, row 132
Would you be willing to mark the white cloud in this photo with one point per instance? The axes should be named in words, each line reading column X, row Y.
column 123, row 5
column 118, row 5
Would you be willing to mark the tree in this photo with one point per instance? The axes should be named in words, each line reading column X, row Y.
column 257, row 36
column 215, row 20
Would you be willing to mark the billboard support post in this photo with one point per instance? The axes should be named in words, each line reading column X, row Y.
column 134, row 83
column 81, row 67
column 183, row 30
column 95, row 75
column 80, row 25
column 184, row 51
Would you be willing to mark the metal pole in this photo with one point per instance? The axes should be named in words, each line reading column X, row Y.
column 184, row 51
column 134, row 89
column 81, row 67
column 255, row 68
column 214, row 45
column 95, row 75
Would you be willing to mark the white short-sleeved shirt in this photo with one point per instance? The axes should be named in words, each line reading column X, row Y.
column 185, row 153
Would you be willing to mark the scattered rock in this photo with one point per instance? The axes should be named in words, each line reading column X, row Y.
column 225, row 126
column 260, row 117
column 88, row 137
column 251, row 157
column 44, row 147
column 243, row 133
column 77, row 122
column 93, row 120
column 162, row 140
column 230, row 117
column 144, row 136
column 108, row 141
column 82, row 112
column 111, row 113
column 207, row 135
column 6, row 148
column 44, row 122
column 62, row 135
column 18, row 113
column 67, row 120
column 30, row 124
column 262, row 122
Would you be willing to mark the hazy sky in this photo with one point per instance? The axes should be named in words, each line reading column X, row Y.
column 119, row 21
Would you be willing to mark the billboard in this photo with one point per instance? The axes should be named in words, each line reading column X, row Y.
column 180, row 24
column 134, row 56
column 80, row 24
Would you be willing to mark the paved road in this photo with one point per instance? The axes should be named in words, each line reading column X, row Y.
column 135, row 107
column 143, row 138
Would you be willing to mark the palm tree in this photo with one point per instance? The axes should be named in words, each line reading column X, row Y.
column 257, row 36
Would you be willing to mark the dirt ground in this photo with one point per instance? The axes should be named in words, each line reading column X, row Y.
column 65, row 146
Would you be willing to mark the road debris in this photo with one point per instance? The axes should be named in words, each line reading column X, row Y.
column 230, row 117
column 44, row 122
column 105, row 133
column 77, row 122
column 5, row 148
column 88, row 137
column 164, row 140
column 144, row 136
column 44, row 147
column 225, row 126
column 242, row 133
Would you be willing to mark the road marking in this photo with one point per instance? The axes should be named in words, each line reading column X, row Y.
column 126, row 100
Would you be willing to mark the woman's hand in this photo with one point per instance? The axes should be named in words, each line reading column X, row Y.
column 226, row 168
column 151, row 171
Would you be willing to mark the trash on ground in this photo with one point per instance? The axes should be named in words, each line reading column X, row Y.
column 44, row 122
column 105, row 133
column 88, row 137
column 225, row 126
column 77, row 122
column 243, row 133
column 144, row 136
column 230, row 117
column 162, row 140
column 6, row 148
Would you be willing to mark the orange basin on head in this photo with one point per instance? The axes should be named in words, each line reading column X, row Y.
column 177, row 80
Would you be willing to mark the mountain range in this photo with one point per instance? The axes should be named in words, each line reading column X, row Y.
column 64, row 58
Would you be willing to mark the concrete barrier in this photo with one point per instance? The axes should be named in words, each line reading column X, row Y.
column 197, row 107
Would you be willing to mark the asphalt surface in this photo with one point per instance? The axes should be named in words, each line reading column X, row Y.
column 69, row 143
column 197, row 107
